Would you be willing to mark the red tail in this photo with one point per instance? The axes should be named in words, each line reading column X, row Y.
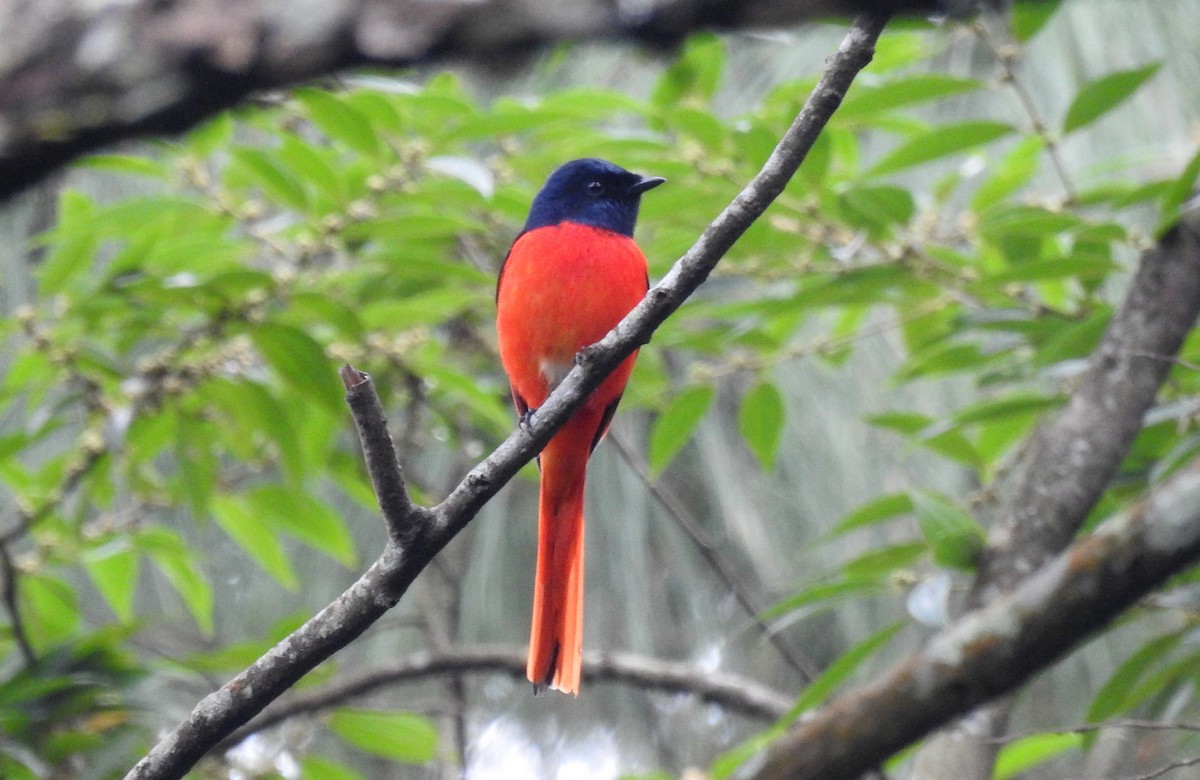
column 556, row 638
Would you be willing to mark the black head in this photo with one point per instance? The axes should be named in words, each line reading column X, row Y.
column 591, row 192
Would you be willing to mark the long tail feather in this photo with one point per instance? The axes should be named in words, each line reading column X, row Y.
column 556, row 635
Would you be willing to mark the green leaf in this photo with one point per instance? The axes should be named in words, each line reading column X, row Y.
column 172, row 557
column 300, row 361
column 305, row 518
column 1027, row 752
column 1114, row 696
column 840, row 670
column 898, row 49
column 1176, row 194
column 113, row 568
column 760, row 420
column 880, row 562
column 815, row 168
column 1098, row 97
column 728, row 762
column 877, row 208
column 584, row 102
column 339, row 120
column 256, row 423
column 198, row 466
column 311, row 307
column 954, row 537
column 256, row 536
column 907, row 423
column 316, row 169
column 50, row 607
column 317, row 768
column 939, row 142
column 1055, row 269
column 675, row 425
column 213, row 134
column 1007, row 220
column 694, row 76
column 73, row 243
column 823, row 594
column 954, row 445
column 398, row 736
column 258, row 167
column 874, row 511
column 68, row 258
column 1027, row 17
column 1015, row 170
column 865, row 285
column 127, row 163
column 12, row 769
column 699, row 125
column 440, row 304
column 1074, row 340
column 865, row 101
column 1006, row 407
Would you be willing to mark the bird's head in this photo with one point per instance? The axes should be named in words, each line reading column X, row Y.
column 591, row 192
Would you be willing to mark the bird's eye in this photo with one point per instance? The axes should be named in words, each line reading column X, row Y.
column 594, row 188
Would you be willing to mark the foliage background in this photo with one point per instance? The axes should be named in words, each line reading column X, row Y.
column 832, row 411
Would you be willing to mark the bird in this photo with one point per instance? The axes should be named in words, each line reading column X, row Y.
column 573, row 273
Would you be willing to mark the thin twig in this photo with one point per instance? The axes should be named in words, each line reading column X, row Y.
column 1088, row 728
column 8, row 592
column 154, row 370
column 1159, row 772
column 732, row 692
column 1172, row 359
column 804, row 666
column 1005, row 54
column 403, row 520
column 28, row 518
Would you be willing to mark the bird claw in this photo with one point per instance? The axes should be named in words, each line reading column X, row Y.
column 526, row 420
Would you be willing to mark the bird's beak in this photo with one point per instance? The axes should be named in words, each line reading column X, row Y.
column 646, row 183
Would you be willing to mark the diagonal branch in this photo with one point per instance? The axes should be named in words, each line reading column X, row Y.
column 76, row 76
column 221, row 712
column 1074, row 456
column 1072, row 459
column 402, row 518
column 995, row 649
column 730, row 691
column 8, row 595
column 804, row 666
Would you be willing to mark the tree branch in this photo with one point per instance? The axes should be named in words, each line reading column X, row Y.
column 1072, row 459
column 732, row 692
column 218, row 714
column 995, row 649
column 77, row 76
column 402, row 518
column 804, row 666
column 8, row 595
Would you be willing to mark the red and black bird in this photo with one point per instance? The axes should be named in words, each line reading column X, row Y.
column 572, row 274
